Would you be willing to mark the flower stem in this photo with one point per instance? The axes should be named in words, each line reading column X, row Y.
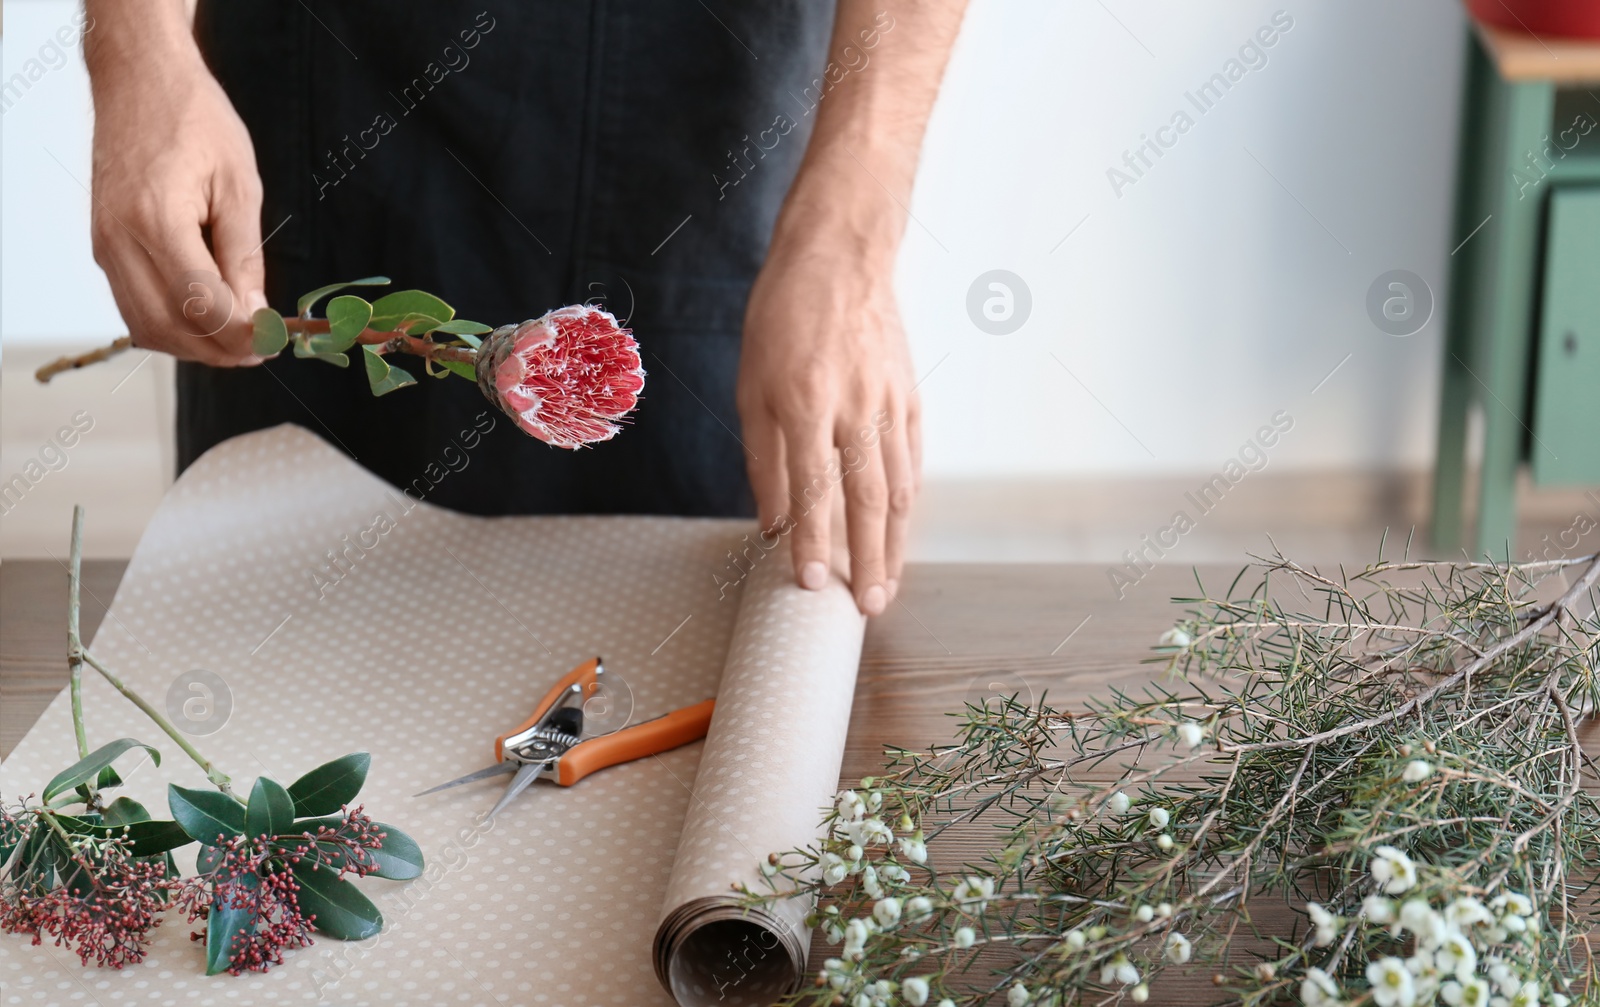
column 218, row 778
column 74, row 641
column 391, row 341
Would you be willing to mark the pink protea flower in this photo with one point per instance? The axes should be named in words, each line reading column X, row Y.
column 567, row 378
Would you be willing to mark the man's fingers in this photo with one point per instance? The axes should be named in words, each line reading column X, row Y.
column 769, row 480
column 236, row 241
column 141, row 292
column 900, row 476
column 809, row 456
column 866, row 502
column 200, row 303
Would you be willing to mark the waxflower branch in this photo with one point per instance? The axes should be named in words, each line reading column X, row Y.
column 1396, row 753
column 570, row 377
column 271, row 869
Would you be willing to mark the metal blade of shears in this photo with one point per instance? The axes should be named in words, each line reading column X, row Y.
column 482, row 774
column 526, row 775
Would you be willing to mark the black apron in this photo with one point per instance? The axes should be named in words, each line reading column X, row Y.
column 512, row 160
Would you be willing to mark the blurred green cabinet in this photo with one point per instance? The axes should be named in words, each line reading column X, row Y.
column 1566, row 390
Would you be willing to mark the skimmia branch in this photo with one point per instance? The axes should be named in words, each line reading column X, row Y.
column 270, row 871
column 569, row 377
column 1396, row 754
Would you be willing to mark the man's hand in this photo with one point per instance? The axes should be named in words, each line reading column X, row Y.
column 172, row 162
column 826, row 394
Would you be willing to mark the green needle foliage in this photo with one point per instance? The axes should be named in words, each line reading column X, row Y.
column 1396, row 753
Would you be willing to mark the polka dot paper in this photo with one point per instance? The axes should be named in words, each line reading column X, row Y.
column 343, row 615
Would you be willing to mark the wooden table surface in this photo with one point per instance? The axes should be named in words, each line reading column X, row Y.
column 955, row 629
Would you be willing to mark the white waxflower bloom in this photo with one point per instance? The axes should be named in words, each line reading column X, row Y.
column 1163, row 909
column 914, row 991
column 1118, row 804
column 1392, row 985
column 1123, row 971
column 1175, row 637
column 965, row 937
column 1393, row 870
column 1159, row 818
column 1559, row 1000
column 895, row 873
column 850, row 806
column 1139, row 994
column 1378, row 909
column 1075, row 940
column 1416, row 771
column 1470, row 992
column 862, row 999
column 1421, row 919
column 886, row 912
column 1178, row 948
column 1515, row 903
column 1326, row 923
column 972, row 892
column 1144, row 914
column 834, row 869
column 1164, row 842
column 1017, row 995
column 919, row 907
column 854, row 852
column 1465, row 912
column 1191, row 734
column 947, row 1002
column 1456, row 954
column 869, row 883
column 855, row 938
column 873, row 830
column 834, row 931
column 1319, row 989
column 914, row 850
column 1527, row 996
column 874, row 801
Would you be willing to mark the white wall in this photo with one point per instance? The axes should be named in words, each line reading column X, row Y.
column 1193, row 306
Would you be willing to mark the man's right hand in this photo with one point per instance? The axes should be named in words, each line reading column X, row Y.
column 171, row 158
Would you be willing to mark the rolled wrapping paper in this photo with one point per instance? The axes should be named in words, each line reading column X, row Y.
column 770, row 767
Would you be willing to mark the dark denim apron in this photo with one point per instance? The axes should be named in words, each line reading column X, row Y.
column 514, row 159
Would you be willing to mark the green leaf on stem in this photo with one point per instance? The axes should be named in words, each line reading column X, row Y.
column 224, row 924
column 341, row 911
column 406, row 309
column 457, row 367
column 383, row 378
column 462, row 327
column 89, row 767
column 271, row 809
column 307, row 301
column 319, row 347
column 144, row 838
column 399, row 859
column 205, row 814
column 207, row 859
column 347, row 316
column 271, row 335
column 330, row 786
column 125, row 811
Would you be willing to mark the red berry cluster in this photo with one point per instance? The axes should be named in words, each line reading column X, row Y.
column 254, row 874
column 104, row 910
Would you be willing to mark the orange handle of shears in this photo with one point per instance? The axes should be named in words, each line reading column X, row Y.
column 583, row 674
column 677, row 728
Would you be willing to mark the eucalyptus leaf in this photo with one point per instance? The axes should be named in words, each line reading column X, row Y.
column 89, row 767
column 383, row 378
column 406, row 308
column 341, row 911
column 347, row 317
column 270, row 334
column 224, row 924
column 330, row 786
column 307, row 301
column 205, row 814
column 271, row 809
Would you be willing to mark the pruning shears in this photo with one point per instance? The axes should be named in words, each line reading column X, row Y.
column 550, row 743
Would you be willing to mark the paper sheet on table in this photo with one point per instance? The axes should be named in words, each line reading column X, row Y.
column 343, row 615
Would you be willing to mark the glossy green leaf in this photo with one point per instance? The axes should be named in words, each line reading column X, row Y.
column 320, row 347
column 207, row 859
column 88, row 767
column 383, row 378
column 108, row 778
column 331, row 785
column 144, row 838
column 308, row 300
column 270, row 335
column 347, row 317
column 271, row 809
column 456, row 367
column 399, row 859
column 125, row 811
column 224, row 924
column 205, row 814
column 462, row 327
column 469, row 339
column 341, row 911
column 406, row 308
